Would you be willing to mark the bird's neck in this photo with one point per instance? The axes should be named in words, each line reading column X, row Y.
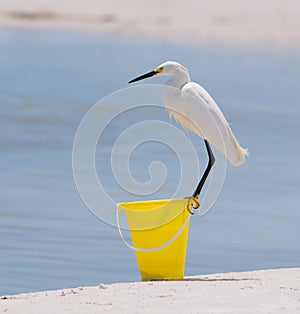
column 180, row 78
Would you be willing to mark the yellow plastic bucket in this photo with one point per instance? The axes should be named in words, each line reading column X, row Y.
column 159, row 235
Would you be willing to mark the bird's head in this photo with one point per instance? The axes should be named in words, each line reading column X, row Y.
column 169, row 68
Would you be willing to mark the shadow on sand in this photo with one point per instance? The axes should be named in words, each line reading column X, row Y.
column 207, row 279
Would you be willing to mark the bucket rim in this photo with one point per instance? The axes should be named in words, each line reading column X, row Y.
column 157, row 201
column 142, row 210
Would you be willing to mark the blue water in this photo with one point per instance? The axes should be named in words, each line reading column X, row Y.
column 49, row 80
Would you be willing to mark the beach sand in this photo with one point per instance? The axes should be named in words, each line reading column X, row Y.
column 271, row 25
column 263, row 291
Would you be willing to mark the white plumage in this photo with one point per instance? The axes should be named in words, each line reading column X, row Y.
column 194, row 109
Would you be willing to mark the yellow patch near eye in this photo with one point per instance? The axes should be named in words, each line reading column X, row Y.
column 159, row 70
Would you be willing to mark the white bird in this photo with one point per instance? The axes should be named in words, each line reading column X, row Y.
column 195, row 110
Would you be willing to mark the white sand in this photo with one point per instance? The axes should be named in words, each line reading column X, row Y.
column 264, row 24
column 264, row 291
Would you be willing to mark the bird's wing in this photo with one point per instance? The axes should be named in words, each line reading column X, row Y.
column 207, row 120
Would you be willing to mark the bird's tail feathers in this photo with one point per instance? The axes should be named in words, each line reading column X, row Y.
column 241, row 152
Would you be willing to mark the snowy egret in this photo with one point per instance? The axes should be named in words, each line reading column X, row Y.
column 195, row 110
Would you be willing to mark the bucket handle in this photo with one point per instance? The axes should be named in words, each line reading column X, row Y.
column 159, row 247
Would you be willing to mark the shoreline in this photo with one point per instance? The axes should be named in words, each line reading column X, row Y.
column 256, row 25
column 261, row 291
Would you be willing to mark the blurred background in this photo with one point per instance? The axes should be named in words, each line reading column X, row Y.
column 58, row 58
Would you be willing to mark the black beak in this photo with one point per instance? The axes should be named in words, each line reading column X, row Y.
column 143, row 76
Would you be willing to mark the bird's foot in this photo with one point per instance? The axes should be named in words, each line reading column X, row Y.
column 193, row 204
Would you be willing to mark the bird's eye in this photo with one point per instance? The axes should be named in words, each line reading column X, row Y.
column 159, row 70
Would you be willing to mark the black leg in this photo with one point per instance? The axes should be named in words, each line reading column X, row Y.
column 211, row 162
